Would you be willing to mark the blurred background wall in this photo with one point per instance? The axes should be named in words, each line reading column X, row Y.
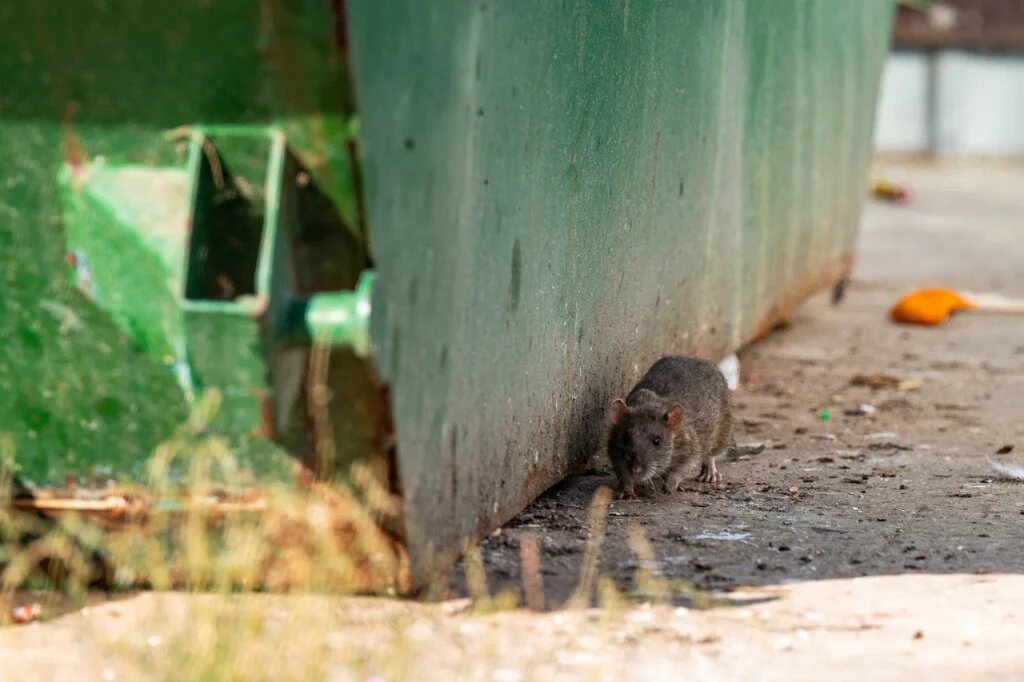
column 954, row 81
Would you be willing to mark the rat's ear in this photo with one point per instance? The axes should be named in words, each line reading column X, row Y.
column 674, row 417
column 619, row 410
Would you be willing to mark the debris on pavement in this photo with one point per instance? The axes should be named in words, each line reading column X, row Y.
column 932, row 307
column 1012, row 471
column 863, row 410
column 875, row 381
column 741, row 452
column 724, row 536
column 929, row 307
column 891, row 191
column 885, row 381
column 730, row 368
column 26, row 613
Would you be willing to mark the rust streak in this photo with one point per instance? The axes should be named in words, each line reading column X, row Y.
column 787, row 301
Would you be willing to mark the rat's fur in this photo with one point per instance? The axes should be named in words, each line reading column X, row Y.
column 679, row 412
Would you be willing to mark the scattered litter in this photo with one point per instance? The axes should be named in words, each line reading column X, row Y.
column 750, row 449
column 1005, row 450
column 918, row 635
column 839, row 291
column 891, row 191
column 888, row 445
column 824, row 415
column 724, row 536
column 875, row 381
column 932, row 307
column 880, row 435
column 26, row 613
column 861, row 411
column 884, row 381
column 1011, row 471
column 730, row 368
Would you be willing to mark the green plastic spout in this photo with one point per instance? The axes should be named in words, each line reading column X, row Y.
column 339, row 319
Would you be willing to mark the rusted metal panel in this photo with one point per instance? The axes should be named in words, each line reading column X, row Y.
column 558, row 193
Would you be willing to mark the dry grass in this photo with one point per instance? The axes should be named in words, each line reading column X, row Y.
column 303, row 543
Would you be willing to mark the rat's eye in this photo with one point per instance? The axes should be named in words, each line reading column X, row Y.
column 656, row 441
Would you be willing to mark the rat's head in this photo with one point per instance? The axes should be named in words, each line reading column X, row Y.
column 640, row 442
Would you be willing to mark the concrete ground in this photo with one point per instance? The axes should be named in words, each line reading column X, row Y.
column 864, row 546
column 906, row 488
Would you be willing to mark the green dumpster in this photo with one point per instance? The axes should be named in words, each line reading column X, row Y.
column 491, row 215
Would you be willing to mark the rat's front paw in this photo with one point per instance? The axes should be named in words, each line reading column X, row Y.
column 672, row 485
column 626, row 494
column 709, row 474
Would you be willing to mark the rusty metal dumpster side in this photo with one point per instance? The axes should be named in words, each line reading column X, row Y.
column 558, row 193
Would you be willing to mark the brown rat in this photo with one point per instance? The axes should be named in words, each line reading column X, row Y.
column 679, row 412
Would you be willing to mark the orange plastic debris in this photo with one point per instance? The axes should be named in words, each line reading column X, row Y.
column 891, row 191
column 929, row 306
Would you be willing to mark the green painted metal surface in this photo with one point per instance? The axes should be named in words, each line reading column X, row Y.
column 557, row 193
column 560, row 192
column 172, row 284
column 341, row 318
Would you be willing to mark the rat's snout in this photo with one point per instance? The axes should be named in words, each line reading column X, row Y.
column 637, row 469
